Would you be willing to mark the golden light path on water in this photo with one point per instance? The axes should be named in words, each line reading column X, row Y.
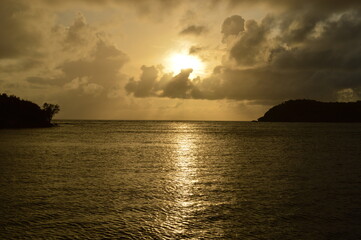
column 183, row 181
column 186, row 175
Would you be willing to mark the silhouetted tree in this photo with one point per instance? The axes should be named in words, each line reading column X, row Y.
column 18, row 113
column 50, row 110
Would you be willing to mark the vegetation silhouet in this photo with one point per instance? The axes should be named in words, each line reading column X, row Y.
column 313, row 111
column 18, row 113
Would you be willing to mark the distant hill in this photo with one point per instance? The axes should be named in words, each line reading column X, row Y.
column 313, row 111
column 18, row 113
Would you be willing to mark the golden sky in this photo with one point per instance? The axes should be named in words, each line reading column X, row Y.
column 179, row 60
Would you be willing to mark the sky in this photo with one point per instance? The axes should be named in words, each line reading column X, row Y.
column 179, row 60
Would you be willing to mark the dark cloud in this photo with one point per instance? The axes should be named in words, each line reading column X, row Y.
column 309, row 57
column 150, row 84
column 146, row 85
column 318, row 5
column 77, row 33
column 163, row 7
column 193, row 30
column 232, row 26
column 181, row 86
column 305, row 55
column 252, row 45
column 153, row 9
column 335, row 45
column 195, row 49
column 18, row 36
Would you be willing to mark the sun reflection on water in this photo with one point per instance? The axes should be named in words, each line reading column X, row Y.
column 185, row 163
column 184, row 178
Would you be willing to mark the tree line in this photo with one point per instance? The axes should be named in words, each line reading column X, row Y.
column 305, row 110
column 19, row 113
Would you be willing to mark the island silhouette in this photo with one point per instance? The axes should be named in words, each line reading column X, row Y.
column 18, row 113
column 305, row 110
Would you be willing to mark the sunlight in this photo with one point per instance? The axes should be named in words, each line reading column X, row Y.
column 184, row 178
column 179, row 61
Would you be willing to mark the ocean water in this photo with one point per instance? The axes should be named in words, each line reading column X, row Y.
column 181, row 180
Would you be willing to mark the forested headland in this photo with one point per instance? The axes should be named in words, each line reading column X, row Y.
column 19, row 113
column 313, row 111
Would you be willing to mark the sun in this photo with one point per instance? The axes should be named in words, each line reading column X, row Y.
column 178, row 61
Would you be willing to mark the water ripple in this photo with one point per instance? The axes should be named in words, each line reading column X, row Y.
column 181, row 180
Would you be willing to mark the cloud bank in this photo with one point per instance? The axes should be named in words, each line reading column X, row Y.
column 308, row 51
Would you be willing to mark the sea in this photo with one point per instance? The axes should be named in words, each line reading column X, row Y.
column 181, row 180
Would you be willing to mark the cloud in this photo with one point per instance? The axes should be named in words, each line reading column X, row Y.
column 317, row 5
column 41, row 81
column 180, row 86
column 101, row 66
column 89, row 84
column 87, row 55
column 305, row 58
column 78, row 32
column 145, row 86
column 18, row 30
column 153, row 84
column 157, row 10
column 195, row 49
column 193, row 30
column 332, row 43
column 83, row 85
column 80, row 68
column 252, row 45
column 232, row 26
column 305, row 55
column 162, row 8
column 76, row 83
column 142, row 4
column 45, row 58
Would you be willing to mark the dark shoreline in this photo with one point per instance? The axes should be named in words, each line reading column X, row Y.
column 19, row 113
column 314, row 111
column 31, row 127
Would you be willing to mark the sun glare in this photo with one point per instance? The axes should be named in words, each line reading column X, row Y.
column 177, row 62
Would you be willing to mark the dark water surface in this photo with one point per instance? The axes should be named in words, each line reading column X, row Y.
column 181, row 180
